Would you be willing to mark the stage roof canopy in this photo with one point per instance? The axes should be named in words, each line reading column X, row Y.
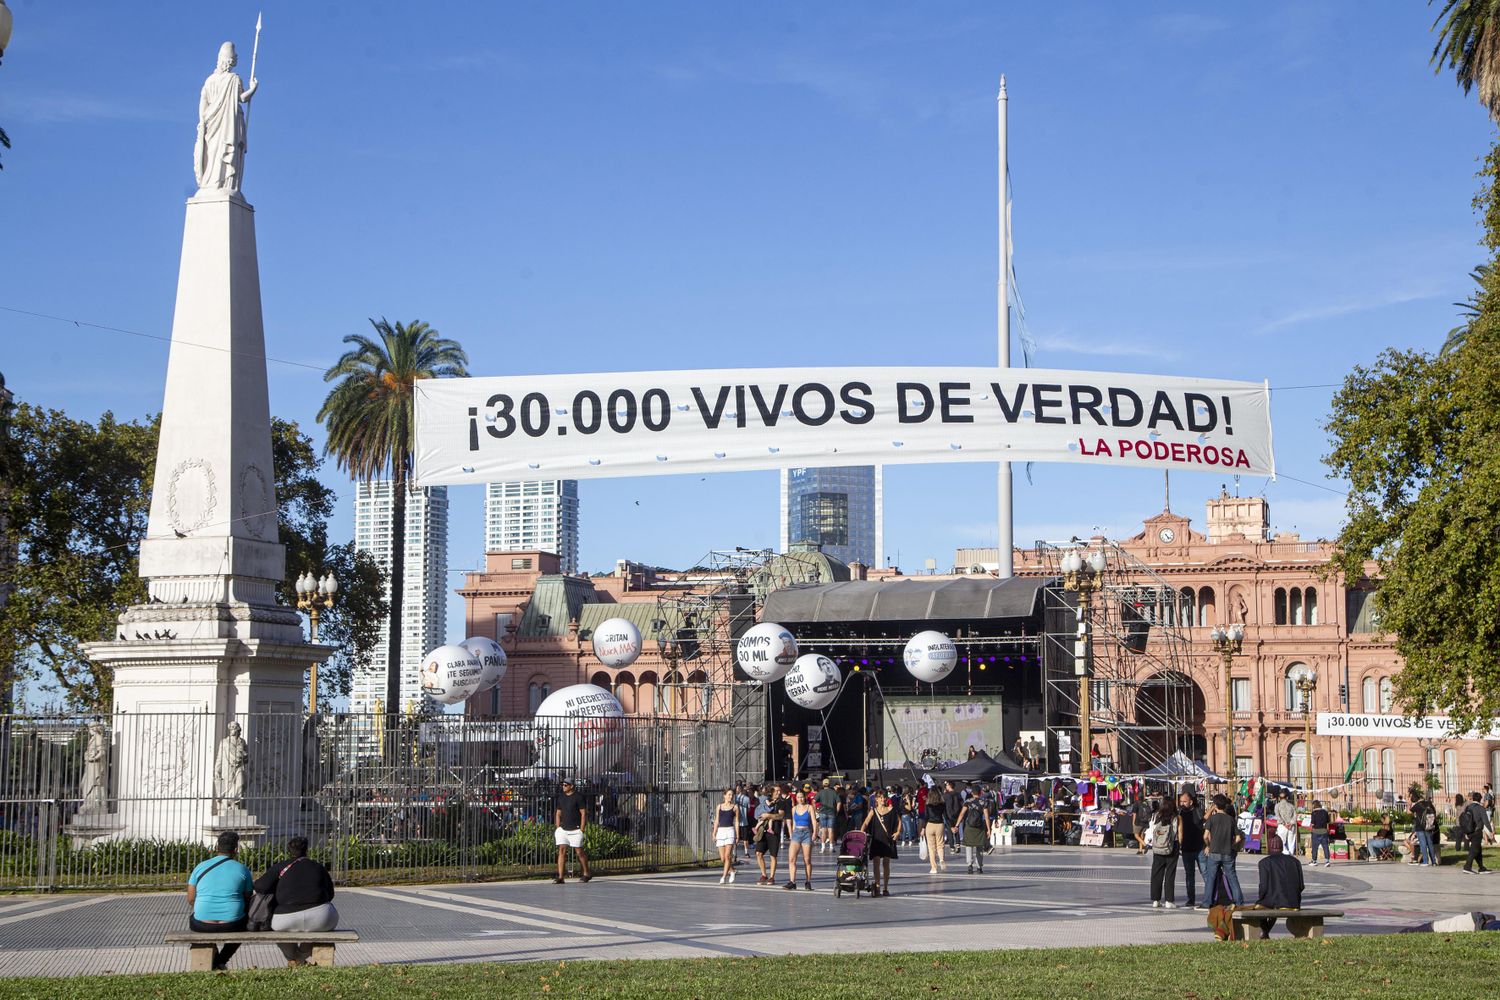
column 906, row 600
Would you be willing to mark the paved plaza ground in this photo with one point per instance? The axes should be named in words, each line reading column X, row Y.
column 1028, row 897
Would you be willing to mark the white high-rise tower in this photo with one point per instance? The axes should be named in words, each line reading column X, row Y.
column 533, row 515
column 424, row 609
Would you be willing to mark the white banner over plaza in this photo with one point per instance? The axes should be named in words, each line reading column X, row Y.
column 495, row 429
column 1400, row 727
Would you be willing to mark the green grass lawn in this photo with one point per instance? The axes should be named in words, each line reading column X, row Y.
column 1449, row 966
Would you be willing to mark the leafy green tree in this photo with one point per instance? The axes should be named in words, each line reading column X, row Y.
column 304, row 505
column 75, row 511
column 369, row 419
column 1469, row 44
column 1416, row 437
column 78, row 495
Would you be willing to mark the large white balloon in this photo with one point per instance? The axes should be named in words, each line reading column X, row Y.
column 766, row 652
column 814, row 681
column 491, row 657
column 617, row 642
column 450, row 674
column 930, row 656
column 580, row 730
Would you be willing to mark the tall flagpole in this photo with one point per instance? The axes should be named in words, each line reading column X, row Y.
column 1005, row 543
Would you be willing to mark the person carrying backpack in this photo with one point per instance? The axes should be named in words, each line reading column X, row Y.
column 1425, row 826
column 1164, row 839
column 1473, row 824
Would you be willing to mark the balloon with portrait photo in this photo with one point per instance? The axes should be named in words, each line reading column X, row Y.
column 766, row 652
column 813, row 681
column 450, row 673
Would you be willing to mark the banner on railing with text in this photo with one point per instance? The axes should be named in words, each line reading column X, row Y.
column 479, row 430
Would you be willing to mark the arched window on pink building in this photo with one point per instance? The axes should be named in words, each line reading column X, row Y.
column 1279, row 606
column 1296, row 763
column 1294, row 701
column 1206, row 614
column 645, row 693
column 625, row 691
column 537, row 691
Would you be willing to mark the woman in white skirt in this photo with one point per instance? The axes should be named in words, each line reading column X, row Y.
column 726, row 829
column 304, row 898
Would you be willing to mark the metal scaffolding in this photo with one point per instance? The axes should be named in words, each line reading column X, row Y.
column 1143, row 705
column 697, row 624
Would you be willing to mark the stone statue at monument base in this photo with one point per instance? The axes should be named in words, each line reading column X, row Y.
column 94, row 788
column 93, row 820
column 229, row 771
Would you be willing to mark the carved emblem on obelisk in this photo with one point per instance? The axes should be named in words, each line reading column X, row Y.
column 192, row 495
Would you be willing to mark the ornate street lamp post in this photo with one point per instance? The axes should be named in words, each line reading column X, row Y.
column 1082, row 576
column 1428, row 765
column 313, row 595
column 1306, row 685
column 1228, row 642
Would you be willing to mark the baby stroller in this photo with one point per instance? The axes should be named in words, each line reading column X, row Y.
column 853, row 873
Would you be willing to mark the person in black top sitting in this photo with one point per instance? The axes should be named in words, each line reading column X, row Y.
column 1280, row 883
column 304, row 898
column 1383, row 843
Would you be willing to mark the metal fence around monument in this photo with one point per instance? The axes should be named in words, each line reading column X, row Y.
column 133, row 802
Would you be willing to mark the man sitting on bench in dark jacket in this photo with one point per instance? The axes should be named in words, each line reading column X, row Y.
column 1280, row 883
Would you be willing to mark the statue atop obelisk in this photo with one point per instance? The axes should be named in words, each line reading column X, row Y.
column 213, row 650
column 219, row 154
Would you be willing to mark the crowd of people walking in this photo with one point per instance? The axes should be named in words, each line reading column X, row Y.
column 758, row 821
column 1205, row 839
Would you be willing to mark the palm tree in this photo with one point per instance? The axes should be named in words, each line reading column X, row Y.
column 1470, row 310
column 1469, row 43
column 369, row 419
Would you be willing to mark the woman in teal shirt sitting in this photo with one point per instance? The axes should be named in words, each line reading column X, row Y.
column 218, row 891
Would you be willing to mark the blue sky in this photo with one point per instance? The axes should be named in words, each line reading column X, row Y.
column 1270, row 193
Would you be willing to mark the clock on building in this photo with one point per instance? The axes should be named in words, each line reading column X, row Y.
column 1166, row 535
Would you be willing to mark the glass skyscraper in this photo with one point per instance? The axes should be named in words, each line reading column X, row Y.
column 839, row 508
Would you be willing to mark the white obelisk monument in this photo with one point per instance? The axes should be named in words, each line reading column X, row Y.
column 212, row 647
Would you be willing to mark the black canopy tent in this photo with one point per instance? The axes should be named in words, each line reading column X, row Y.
column 981, row 767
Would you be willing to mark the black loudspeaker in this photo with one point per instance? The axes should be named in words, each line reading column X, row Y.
column 1137, row 628
column 687, row 644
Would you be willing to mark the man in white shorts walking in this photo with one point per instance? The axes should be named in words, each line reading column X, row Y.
column 570, row 812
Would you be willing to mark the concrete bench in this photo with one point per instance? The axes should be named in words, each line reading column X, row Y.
column 201, row 946
column 1305, row 923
